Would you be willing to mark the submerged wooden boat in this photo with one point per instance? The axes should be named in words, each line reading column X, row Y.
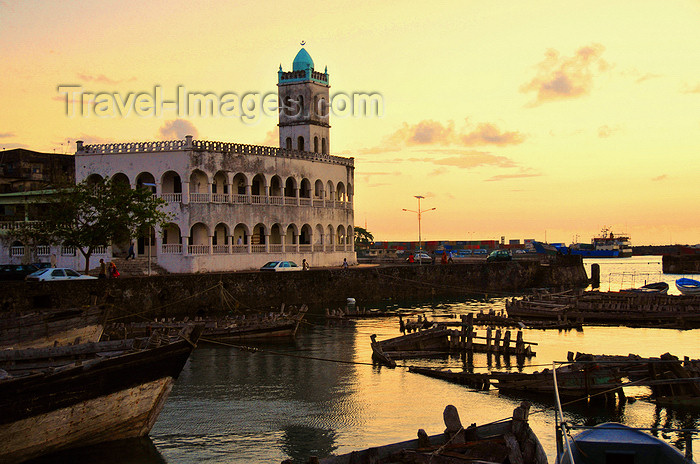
column 219, row 330
column 574, row 381
column 64, row 397
column 509, row 441
column 52, row 327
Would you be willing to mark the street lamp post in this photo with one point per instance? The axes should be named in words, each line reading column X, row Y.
column 419, row 212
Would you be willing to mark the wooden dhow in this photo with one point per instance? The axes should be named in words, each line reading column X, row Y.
column 65, row 397
column 52, row 327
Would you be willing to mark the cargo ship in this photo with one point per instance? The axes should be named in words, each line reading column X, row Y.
column 606, row 245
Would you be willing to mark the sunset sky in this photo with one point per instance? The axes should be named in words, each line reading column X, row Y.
column 512, row 118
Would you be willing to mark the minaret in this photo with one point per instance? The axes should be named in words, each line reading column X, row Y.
column 304, row 106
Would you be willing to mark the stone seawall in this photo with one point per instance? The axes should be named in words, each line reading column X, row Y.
column 200, row 294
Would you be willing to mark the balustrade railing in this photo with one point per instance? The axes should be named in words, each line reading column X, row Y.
column 318, row 247
column 200, row 197
column 219, row 198
column 319, row 202
column 43, row 250
column 276, row 200
column 241, row 198
column 239, row 248
column 198, row 249
column 17, row 251
column 220, row 249
column 99, row 250
column 172, row 197
column 304, row 201
column 291, row 201
column 276, row 248
column 172, row 248
column 67, row 251
column 258, row 199
column 258, row 248
column 305, row 248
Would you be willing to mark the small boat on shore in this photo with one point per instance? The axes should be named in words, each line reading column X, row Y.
column 59, row 398
column 656, row 288
column 506, row 441
column 688, row 286
column 52, row 327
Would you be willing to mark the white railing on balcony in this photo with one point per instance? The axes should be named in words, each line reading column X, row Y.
column 305, row 248
column 220, row 249
column 276, row 200
column 292, row 201
column 11, row 225
column 319, row 202
column 172, row 248
column 17, row 251
column 276, row 248
column 99, row 250
column 198, row 249
column 67, row 251
column 43, row 250
column 258, row 248
column 304, row 201
column 200, row 197
column 258, row 199
column 318, row 247
column 239, row 248
column 241, row 198
column 172, row 197
column 219, row 198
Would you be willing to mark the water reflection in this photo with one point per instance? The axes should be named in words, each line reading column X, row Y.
column 136, row 451
column 299, row 442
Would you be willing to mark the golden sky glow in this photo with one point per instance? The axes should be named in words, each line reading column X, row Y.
column 510, row 117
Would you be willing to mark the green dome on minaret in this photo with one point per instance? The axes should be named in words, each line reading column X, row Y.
column 302, row 61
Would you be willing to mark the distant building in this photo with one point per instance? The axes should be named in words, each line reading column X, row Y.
column 24, row 170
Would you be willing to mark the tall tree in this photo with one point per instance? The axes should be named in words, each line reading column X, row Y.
column 363, row 239
column 93, row 214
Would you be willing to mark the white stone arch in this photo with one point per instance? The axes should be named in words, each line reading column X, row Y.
column 258, row 236
column 330, row 188
column 340, row 192
column 318, row 189
column 276, row 234
column 305, row 188
column 121, row 178
column 258, row 185
column 350, row 236
column 306, row 235
column 199, row 234
column 221, row 234
column 170, row 182
column 240, row 181
column 340, row 235
column 146, row 181
column 199, row 181
column 330, row 235
column 318, row 236
column 291, row 234
column 171, row 234
column 276, row 186
column 290, row 187
column 241, row 234
column 94, row 179
column 220, row 183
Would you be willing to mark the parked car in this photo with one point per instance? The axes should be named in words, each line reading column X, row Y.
column 479, row 251
column 281, row 266
column 16, row 271
column 57, row 273
column 499, row 255
column 422, row 257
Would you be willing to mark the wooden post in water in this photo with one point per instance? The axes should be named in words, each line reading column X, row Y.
column 519, row 343
column 506, row 342
column 463, row 334
column 497, row 341
column 488, row 339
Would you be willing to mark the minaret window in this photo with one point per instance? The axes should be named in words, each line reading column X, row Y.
column 315, row 144
column 301, row 107
column 324, row 149
column 289, row 143
column 300, row 143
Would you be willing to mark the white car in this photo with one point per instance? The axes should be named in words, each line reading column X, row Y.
column 422, row 257
column 57, row 273
column 281, row 266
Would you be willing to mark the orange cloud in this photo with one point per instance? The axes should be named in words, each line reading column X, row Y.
column 272, row 138
column 488, row 134
column 690, row 89
column 658, row 178
column 560, row 78
column 5, row 135
column 177, row 129
column 103, row 79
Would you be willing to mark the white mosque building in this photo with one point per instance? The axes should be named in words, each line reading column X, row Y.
column 236, row 206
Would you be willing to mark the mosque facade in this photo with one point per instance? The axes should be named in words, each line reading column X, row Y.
column 237, row 206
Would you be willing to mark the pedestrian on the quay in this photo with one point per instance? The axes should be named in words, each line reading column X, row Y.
column 53, row 259
column 411, row 259
column 112, row 270
column 345, row 263
column 432, row 259
column 304, row 265
column 103, row 270
column 131, row 253
column 449, row 257
column 443, row 260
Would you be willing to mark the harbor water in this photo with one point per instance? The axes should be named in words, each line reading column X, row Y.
column 321, row 395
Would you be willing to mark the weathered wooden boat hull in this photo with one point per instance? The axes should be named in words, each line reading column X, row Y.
column 85, row 402
column 52, row 327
